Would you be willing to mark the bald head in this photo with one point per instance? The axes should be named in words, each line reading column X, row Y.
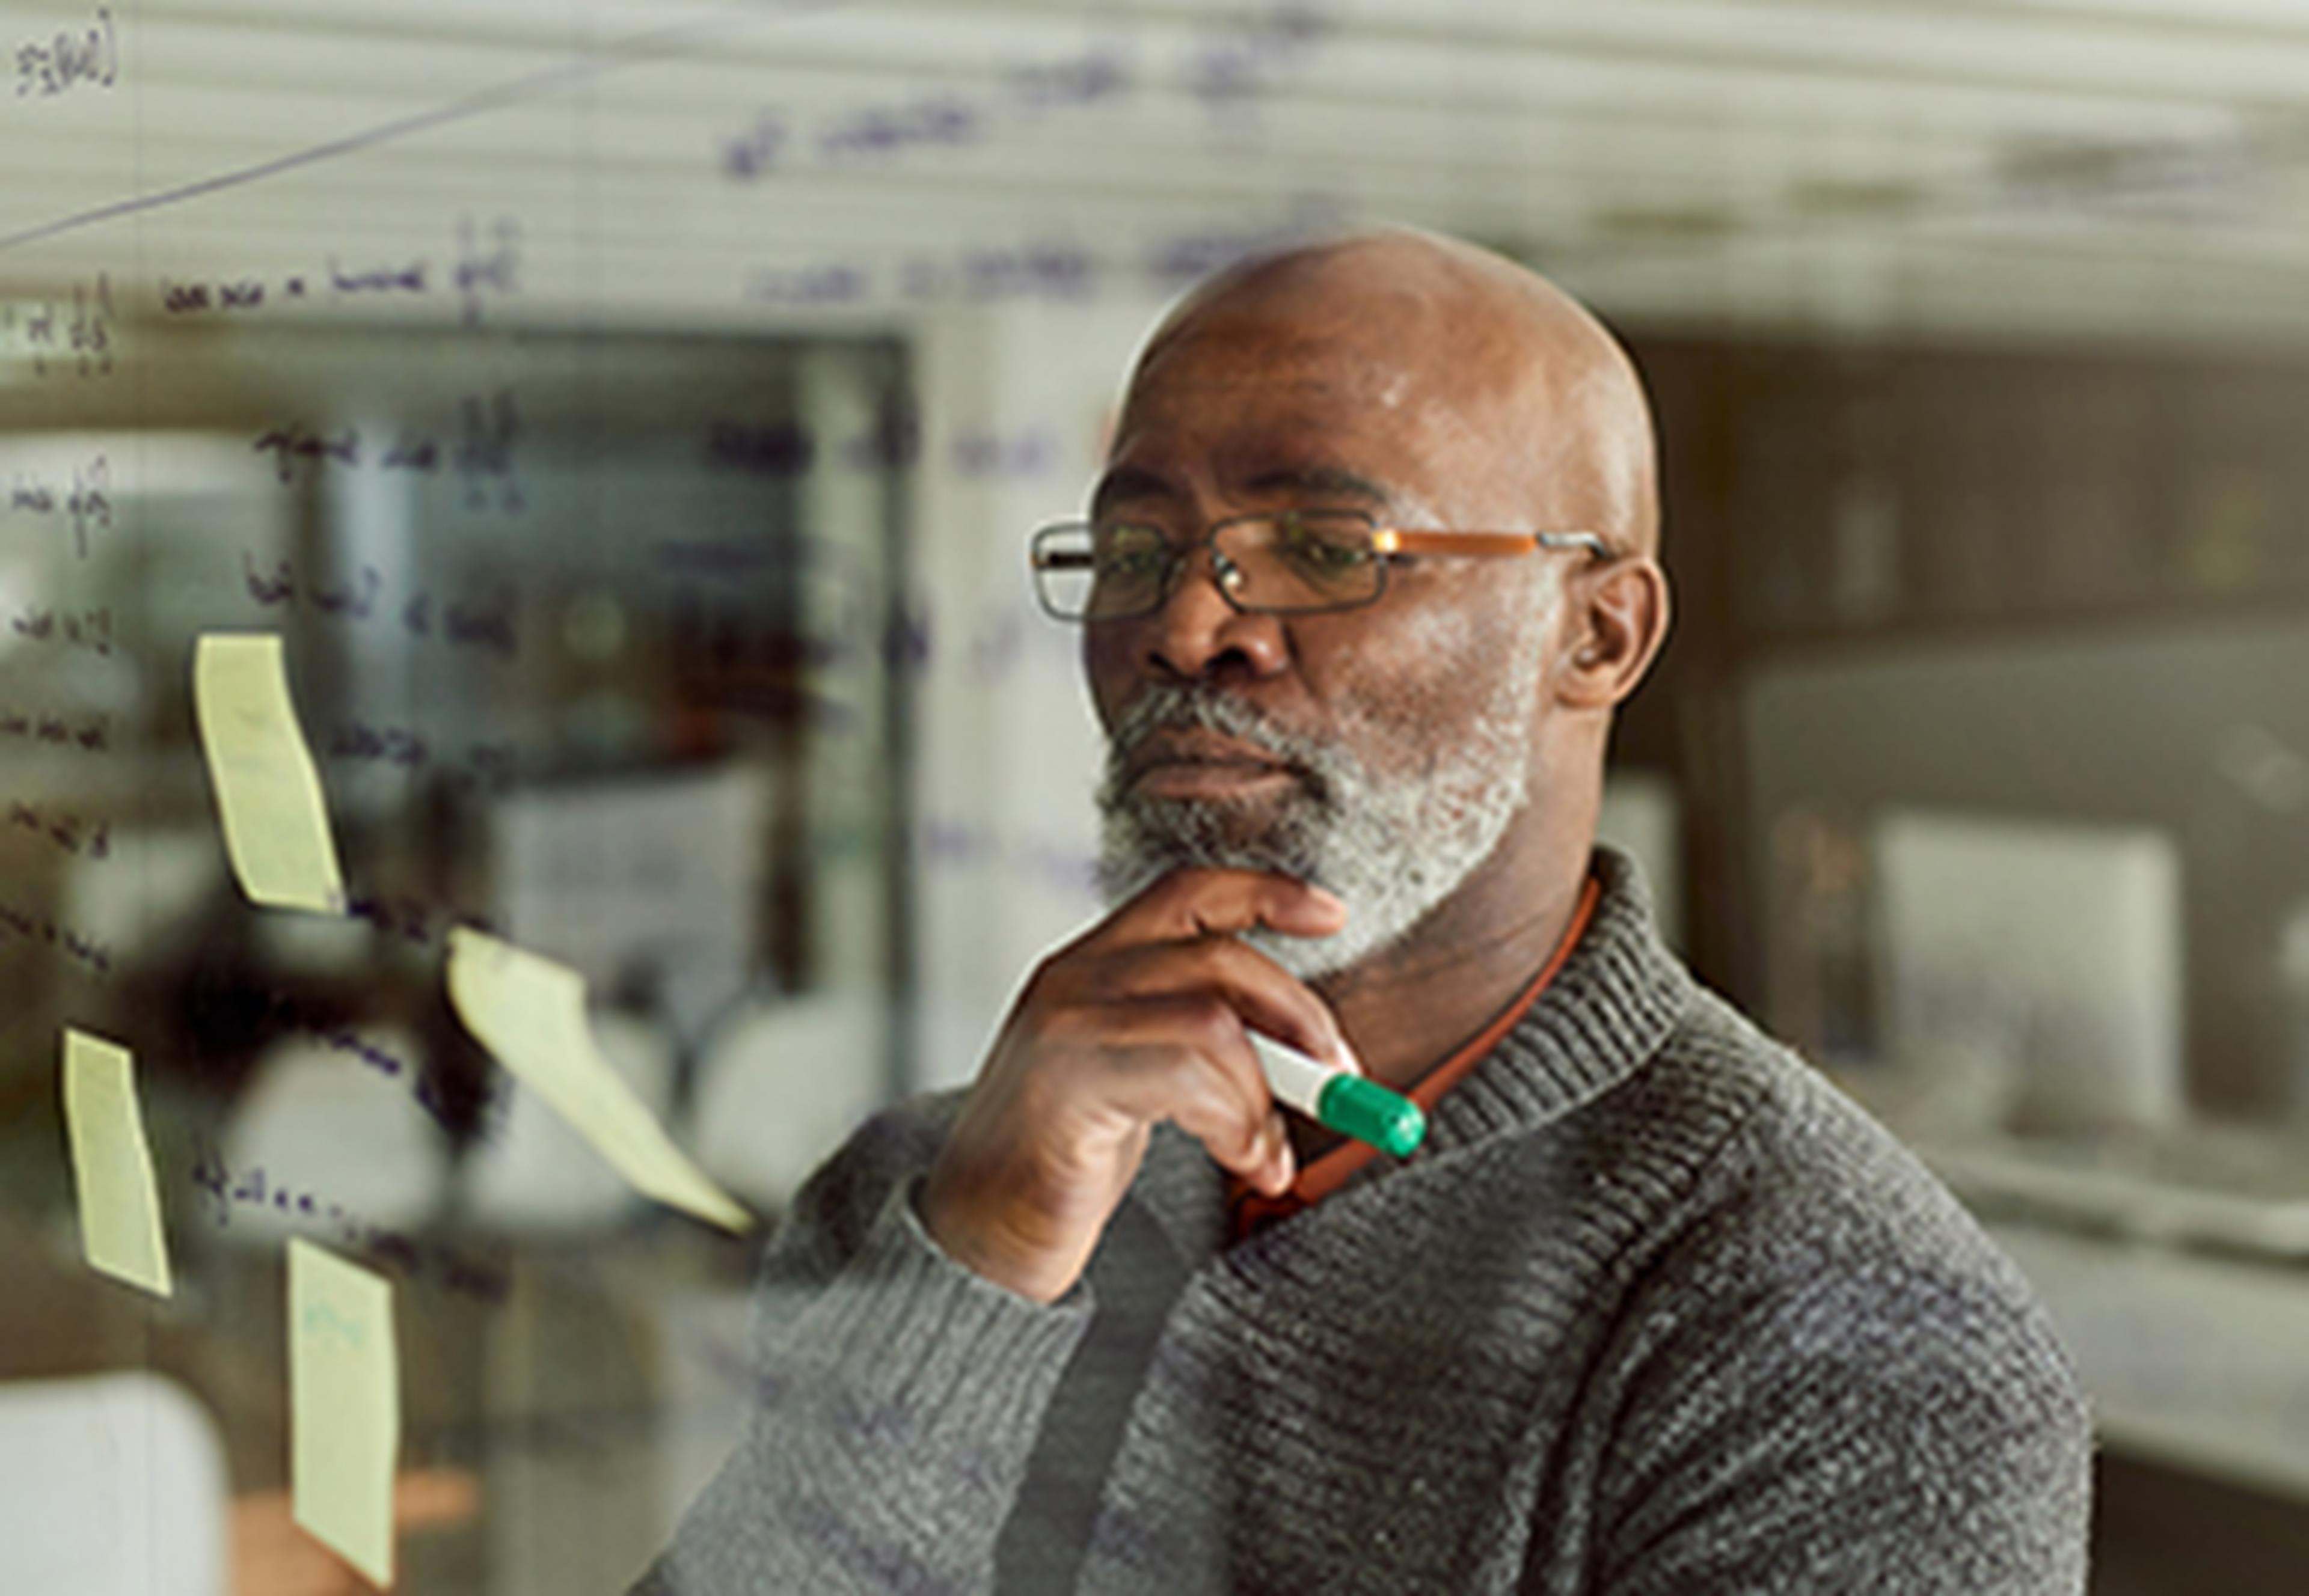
column 1434, row 754
column 1458, row 342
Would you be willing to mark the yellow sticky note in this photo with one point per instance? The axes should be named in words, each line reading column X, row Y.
column 530, row 1013
column 344, row 1406
column 268, row 793
column 112, row 1165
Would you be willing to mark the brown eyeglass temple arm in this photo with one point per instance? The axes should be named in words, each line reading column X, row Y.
column 1395, row 541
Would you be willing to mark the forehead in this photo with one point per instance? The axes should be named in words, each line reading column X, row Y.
column 1240, row 403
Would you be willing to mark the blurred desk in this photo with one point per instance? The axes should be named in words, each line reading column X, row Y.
column 2177, row 1269
column 2236, row 1188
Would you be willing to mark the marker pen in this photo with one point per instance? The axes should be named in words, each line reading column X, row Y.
column 1344, row 1101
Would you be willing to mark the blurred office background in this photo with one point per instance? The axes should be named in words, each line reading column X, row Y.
column 633, row 416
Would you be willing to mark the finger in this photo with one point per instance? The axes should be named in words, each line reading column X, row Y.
column 1266, row 996
column 1185, row 1059
column 1254, row 1146
column 1200, row 902
column 1118, row 1034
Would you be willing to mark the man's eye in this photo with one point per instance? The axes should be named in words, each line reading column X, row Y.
column 1325, row 552
column 1332, row 557
column 1131, row 557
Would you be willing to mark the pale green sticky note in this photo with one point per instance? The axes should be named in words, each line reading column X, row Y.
column 268, row 792
column 112, row 1165
column 344, row 1406
column 530, row 1013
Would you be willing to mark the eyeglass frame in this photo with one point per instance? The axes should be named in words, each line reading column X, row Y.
column 1390, row 544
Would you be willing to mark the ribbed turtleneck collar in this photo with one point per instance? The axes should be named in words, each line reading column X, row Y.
column 1606, row 1011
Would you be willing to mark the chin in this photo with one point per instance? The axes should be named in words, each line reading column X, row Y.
column 1240, row 825
column 1146, row 838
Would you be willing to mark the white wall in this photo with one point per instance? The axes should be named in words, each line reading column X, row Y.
column 1007, row 748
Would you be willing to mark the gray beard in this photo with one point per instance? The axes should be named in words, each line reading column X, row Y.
column 1392, row 848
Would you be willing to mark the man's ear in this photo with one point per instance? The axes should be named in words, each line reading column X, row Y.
column 1617, row 618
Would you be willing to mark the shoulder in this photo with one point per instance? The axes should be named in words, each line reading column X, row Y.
column 1790, row 1188
column 1817, row 1324
column 1806, row 1180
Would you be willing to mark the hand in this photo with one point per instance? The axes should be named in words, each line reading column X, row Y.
column 1140, row 1019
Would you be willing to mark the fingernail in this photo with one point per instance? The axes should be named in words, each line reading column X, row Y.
column 1326, row 896
column 1346, row 1057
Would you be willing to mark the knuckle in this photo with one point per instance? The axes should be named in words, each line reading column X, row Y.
column 1221, row 955
column 1251, row 1134
column 1064, row 1026
column 1212, row 1026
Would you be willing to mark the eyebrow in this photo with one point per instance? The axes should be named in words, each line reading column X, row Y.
column 1125, row 483
column 1322, row 481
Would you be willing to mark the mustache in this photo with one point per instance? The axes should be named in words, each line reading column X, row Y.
column 1164, row 707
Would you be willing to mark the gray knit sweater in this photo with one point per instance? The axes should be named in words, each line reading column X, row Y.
column 1656, row 1308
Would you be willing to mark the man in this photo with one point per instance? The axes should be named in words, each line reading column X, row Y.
column 1654, row 1308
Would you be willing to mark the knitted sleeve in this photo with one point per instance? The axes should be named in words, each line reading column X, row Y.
column 897, row 1396
column 1823, row 1408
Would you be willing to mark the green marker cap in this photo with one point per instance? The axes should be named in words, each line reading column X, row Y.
column 1369, row 1112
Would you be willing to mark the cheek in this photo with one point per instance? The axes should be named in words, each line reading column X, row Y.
column 1105, row 656
column 1418, row 685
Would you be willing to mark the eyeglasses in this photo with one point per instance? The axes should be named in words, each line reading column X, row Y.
column 1291, row 562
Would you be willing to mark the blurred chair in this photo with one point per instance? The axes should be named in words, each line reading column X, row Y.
column 783, row 1080
column 328, row 1123
column 536, row 1174
column 780, row 1082
column 705, row 1378
column 111, row 1486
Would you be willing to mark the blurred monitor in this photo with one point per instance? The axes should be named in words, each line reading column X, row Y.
column 652, row 878
column 2051, row 949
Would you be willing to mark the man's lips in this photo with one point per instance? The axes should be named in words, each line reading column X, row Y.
column 1200, row 763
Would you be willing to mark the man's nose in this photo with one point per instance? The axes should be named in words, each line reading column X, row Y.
column 1197, row 633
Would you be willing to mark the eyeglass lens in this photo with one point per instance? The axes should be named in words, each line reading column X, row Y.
column 1302, row 560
